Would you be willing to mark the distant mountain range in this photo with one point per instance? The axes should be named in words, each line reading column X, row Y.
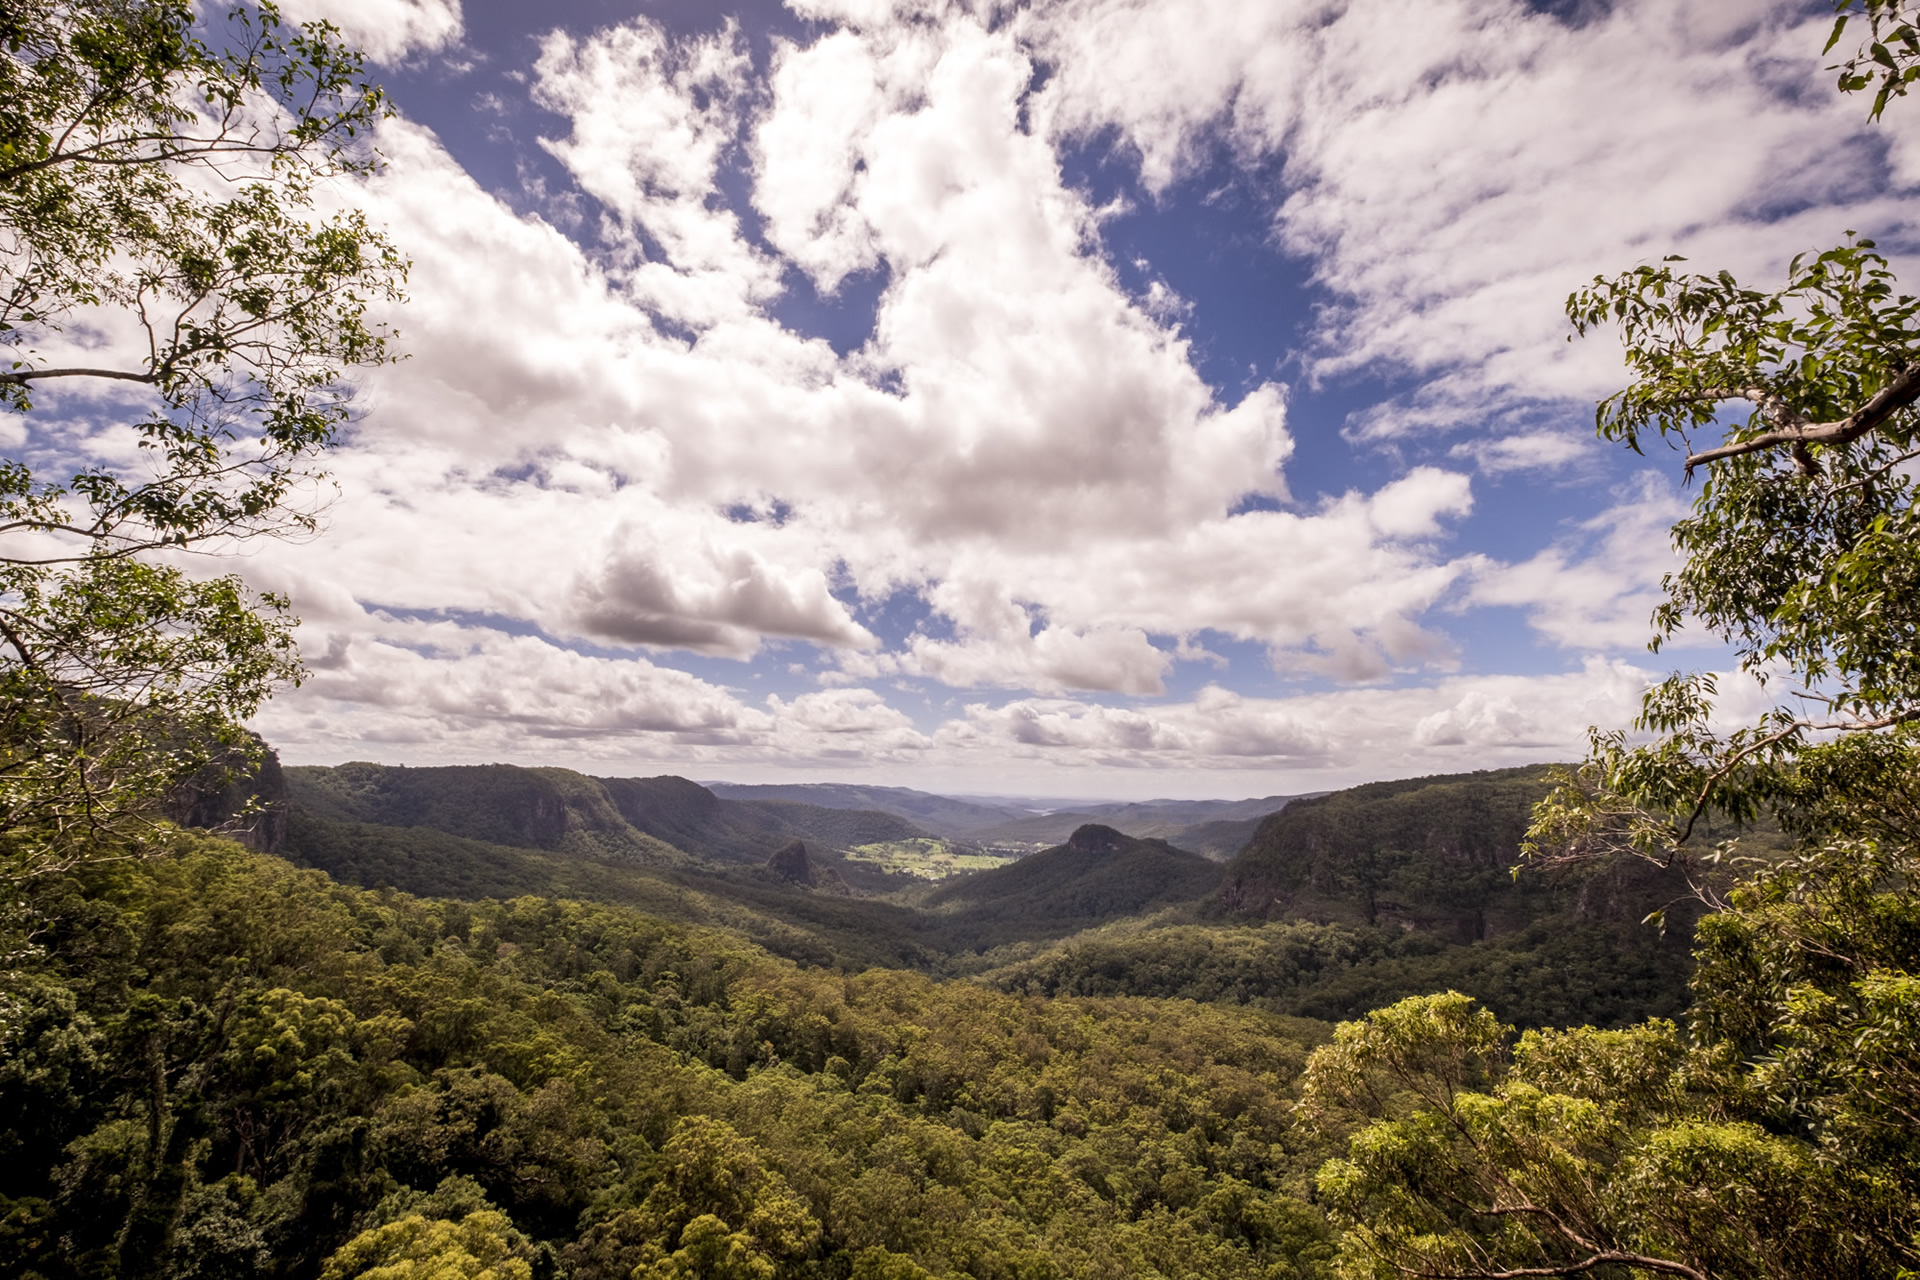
column 660, row 821
column 937, row 815
column 1215, row 828
column 1321, row 906
column 648, row 821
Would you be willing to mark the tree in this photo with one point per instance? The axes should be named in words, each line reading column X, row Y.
column 162, row 267
column 1781, row 1136
column 718, row 1214
column 1801, row 550
column 1577, row 1152
column 1803, row 547
column 480, row 1246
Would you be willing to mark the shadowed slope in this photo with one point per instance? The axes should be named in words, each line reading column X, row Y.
column 1097, row 875
column 557, row 810
column 938, row 815
column 693, row 818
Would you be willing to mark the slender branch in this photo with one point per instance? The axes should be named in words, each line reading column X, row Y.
column 1770, row 402
column 1878, row 473
column 1604, row 1258
column 1902, row 391
column 204, row 148
column 19, row 646
column 1733, row 761
column 21, row 377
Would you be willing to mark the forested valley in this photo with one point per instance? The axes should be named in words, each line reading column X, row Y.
column 570, row 1048
column 1655, row 1012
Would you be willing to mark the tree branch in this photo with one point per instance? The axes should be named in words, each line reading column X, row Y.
column 1733, row 761
column 1902, row 391
column 1604, row 1258
column 21, row 377
column 1769, row 401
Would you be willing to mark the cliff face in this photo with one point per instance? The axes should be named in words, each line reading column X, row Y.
column 552, row 809
column 218, row 797
column 1432, row 855
column 792, row 864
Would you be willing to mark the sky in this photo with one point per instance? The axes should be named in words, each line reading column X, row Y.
column 1106, row 398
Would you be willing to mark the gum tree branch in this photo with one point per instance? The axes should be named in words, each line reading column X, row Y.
column 1899, row 393
column 21, row 377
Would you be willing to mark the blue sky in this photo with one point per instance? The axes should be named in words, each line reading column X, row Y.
column 1103, row 397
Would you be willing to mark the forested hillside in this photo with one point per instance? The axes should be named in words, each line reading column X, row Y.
column 1284, row 927
column 642, row 819
column 563, row 1058
column 229, row 1067
column 1095, row 876
column 574, row 1050
column 793, row 922
column 1353, row 900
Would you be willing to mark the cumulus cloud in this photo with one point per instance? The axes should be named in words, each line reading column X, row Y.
column 806, row 154
column 1019, row 428
column 1526, row 451
column 840, row 726
column 1111, row 659
column 722, row 602
column 382, row 677
column 1596, row 587
column 607, row 450
column 1459, row 722
column 387, row 30
column 1455, row 169
column 456, row 690
column 651, row 119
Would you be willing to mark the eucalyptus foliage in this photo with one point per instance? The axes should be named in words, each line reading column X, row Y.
column 1801, row 549
column 1796, row 411
column 158, row 182
column 1579, row 1151
column 1779, row 1135
column 229, row 1067
column 1888, row 60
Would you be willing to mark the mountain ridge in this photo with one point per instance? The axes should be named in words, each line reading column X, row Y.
column 1099, row 874
column 1338, row 902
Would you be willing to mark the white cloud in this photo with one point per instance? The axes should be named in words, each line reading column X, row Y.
column 1526, row 451
column 386, row 30
column 652, row 118
column 806, row 153
column 625, row 447
column 1165, row 73
column 1597, row 587
column 842, row 711
column 1334, row 590
column 440, row 682
column 721, row 602
column 1108, row 659
column 447, row 690
column 1454, row 169
column 1018, row 429
column 1465, row 722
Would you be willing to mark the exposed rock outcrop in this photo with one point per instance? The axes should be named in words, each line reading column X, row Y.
column 792, row 863
column 247, row 804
